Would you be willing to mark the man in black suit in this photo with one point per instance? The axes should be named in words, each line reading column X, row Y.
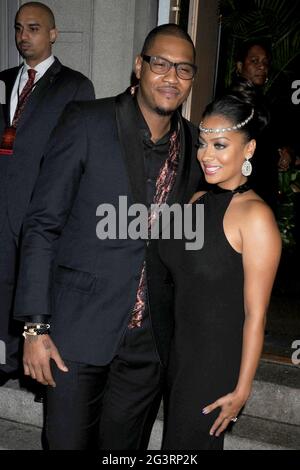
column 108, row 301
column 31, row 123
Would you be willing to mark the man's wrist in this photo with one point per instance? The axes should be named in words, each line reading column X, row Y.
column 32, row 319
column 36, row 329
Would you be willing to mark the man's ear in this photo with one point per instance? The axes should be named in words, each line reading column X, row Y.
column 239, row 66
column 53, row 35
column 138, row 66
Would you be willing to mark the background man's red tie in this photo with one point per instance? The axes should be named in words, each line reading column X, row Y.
column 24, row 96
column 8, row 138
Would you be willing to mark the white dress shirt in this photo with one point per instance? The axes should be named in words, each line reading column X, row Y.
column 22, row 79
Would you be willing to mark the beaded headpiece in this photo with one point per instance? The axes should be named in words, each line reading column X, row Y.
column 210, row 130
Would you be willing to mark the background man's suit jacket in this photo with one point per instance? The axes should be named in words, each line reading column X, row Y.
column 89, row 285
column 18, row 173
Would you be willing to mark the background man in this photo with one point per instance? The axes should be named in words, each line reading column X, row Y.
column 36, row 94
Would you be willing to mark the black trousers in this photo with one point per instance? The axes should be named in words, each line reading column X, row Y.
column 10, row 331
column 109, row 407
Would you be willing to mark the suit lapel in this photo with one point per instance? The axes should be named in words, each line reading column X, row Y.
column 132, row 146
column 179, row 189
column 10, row 79
column 40, row 90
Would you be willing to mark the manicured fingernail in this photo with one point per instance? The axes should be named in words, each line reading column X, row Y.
column 204, row 411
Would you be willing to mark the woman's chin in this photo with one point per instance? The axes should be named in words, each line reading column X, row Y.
column 212, row 179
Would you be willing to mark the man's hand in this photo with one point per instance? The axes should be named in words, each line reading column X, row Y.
column 285, row 158
column 38, row 350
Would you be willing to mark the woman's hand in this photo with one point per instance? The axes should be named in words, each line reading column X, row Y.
column 230, row 405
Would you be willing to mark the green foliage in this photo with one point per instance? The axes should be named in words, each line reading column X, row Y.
column 286, row 212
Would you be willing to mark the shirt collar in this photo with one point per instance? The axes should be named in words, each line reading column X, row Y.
column 145, row 131
column 42, row 67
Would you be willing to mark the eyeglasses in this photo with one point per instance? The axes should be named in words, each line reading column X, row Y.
column 161, row 66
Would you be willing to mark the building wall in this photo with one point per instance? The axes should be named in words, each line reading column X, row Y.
column 120, row 28
column 206, row 41
column 9, row 56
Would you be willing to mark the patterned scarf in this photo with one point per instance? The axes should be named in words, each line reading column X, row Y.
column 164, row 185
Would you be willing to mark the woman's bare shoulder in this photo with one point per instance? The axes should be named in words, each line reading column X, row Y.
column 250, row 201
column 256, row 214
column 197, row 196
column 253, row 203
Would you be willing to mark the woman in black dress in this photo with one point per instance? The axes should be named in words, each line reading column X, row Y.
column 222, row 291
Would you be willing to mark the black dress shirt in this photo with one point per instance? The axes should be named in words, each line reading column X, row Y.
column 155, row 153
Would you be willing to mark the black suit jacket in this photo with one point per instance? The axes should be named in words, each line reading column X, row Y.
column 18, row 173
column 88, row 285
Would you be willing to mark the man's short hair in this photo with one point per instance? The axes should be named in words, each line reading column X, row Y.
column 43, row 7
column 245, row 47
column 169, row 29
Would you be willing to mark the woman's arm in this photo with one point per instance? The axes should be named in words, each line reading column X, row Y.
column 261, row 249
column 261, row 254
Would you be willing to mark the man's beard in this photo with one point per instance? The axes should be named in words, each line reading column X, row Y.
column 25, row 54
column 164, row 112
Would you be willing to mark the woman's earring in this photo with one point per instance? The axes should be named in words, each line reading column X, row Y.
column 247, row 166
